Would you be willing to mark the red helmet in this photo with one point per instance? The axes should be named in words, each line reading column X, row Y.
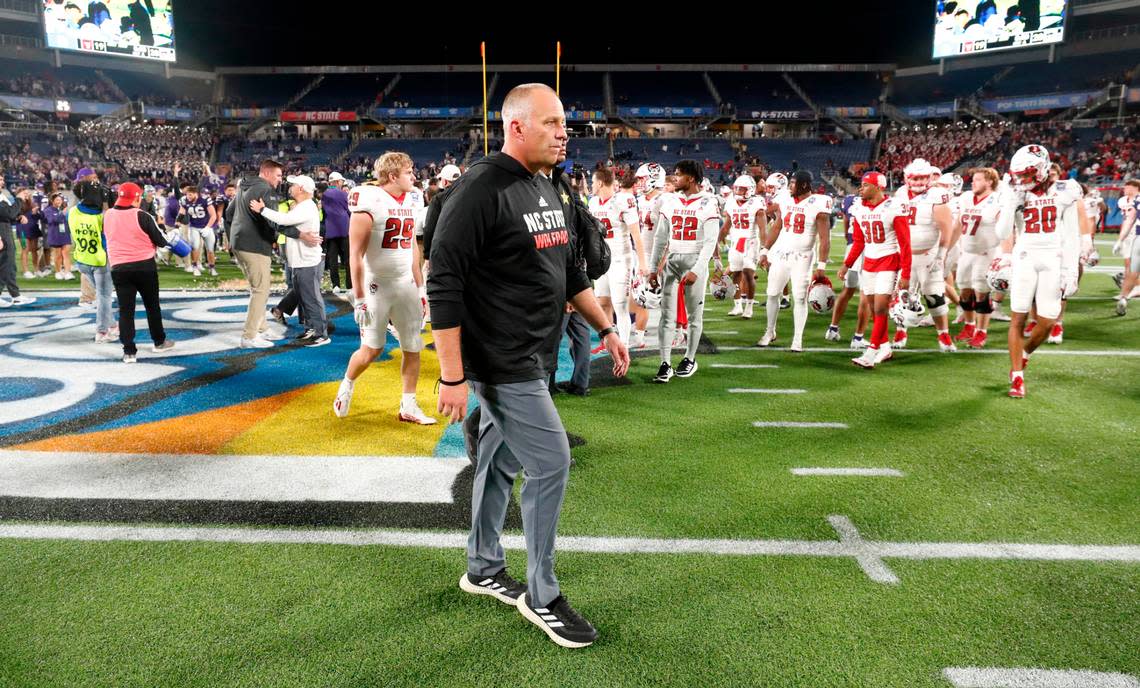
column 875, row 178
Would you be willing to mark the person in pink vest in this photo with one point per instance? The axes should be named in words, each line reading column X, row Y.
column 132, row 236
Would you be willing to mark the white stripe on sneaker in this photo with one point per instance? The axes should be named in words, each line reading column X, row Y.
column 556, row 624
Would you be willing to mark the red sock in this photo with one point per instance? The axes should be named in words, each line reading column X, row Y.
column 879, row 330
column 682, row 315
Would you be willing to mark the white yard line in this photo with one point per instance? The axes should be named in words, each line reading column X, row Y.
column 994, row 677
column 796, row 424
column 746, row 390
column 721, row 332
column 742, row 366
column 867, row 559
column 864, row 472
column 863, row 550
column 995, row 351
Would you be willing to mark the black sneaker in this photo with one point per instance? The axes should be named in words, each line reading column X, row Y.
column 558, row 620
column 686, row 368
column 307, row 335
column 500, row 586
column 664, row 373
column 785, row 304
column 277, row 316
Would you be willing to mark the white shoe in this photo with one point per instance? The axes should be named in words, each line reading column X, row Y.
column 23, row 300
column 318, row 341
column 415, row 415
column 271, row 335
column 343, row 399
column 998, row 315
column 43, row 273
column 767, row 339
column 29, row 275
column 926, row 321
column 188, row 269
column 197, row 272
column 105, row 337
column 129, row 358
column 637, row 341
column 747, row 314
column 866, row 359
column 256, row 343
column 797, row 345
column 336, row 290
column 832, row 334
column 737, row 309
column 59, row 276
column 883, row 354
column 1122, row 306
column 859, row 344
column 213, row 272
column 5, row 302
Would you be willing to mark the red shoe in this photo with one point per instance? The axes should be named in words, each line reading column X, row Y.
column 978, row 341
column 944, row 343
column 1017, row 388
column 966, row 334
column 900, row 339
column 1029, row 328
column 598, row 349
column 1057, row 334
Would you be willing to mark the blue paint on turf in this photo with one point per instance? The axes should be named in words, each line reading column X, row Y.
column 20, row 388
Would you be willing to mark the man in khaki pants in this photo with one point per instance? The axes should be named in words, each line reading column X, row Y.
column 252, row 237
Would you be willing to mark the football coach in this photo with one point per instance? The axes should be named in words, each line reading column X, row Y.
column 502, row 269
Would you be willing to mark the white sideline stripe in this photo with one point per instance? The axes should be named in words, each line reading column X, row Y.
column 721, row 332
column 1001, row 352
column 846, row 548
column 868, row 472
column 975, row 677
column 84, row 475
column 746, row 390
column 743, row 366
column 796, row 424
column 871, row 563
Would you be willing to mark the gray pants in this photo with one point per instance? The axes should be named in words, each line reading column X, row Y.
column 8, row 262
column 575, row 326
column 519, row 430
column 676, row 266
column 307, row 283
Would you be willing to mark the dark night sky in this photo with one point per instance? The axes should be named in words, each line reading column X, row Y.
column 237, row 32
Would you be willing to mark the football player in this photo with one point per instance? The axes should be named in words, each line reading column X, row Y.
column 649, row 186
column 804, row 219
column 688, row 226
column 953, row 184
column 386, row 280
column 200, row 220
column 617, row 213
column 1128, row 245
column 932, row 235
column 881, row 230
column 747, row 213
column 980, row 213
column 1040, row 229
column 850, row 286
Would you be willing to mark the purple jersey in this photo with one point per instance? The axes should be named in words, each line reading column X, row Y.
column 170, row 213
column 197, row 211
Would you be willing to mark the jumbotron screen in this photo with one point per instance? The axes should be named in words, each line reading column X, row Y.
column 128, row 28
column 967, row 27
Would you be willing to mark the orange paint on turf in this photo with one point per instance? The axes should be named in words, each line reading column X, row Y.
column 200, row 433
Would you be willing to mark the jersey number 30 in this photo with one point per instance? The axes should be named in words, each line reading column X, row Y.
column 398, row 233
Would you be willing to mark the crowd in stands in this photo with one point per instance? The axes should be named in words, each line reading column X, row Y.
column 40, row 159
column 147, row 153
column 943, row 146
column 27, row 85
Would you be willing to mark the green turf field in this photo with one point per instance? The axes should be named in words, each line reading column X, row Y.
column 683, row 461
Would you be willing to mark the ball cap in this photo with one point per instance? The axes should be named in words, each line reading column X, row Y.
column 336, row 177
column 875, row 178
column 304, row 181
column 129, row 192
column 449, row 172
column 85, row 172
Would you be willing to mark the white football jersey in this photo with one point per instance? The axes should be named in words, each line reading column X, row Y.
column 978, row 221
column 394, row 220
column 877, row 226
column 743, row 226
column 1092, row 210
column 615, row 215
column 798, row 232
column 1048, row 217
column 648, row 209
column 690, row 219
column 920, row 213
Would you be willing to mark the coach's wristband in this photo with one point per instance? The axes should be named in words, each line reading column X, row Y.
column 605, row 332
column 821, row 265
column 454, row 383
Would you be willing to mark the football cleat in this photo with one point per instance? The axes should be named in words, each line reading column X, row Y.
column 867, row 358
column 414, row 414
column 785, row 304
column 832, row 334
column 1122, row 306
column 767, row 339
column 884, row 354
column 1057, row 334
column 1118, row 278
column 1017, row 388
column 637, row 340
column 998, row 315
column 900, row 339
column 664, row 373
column 797, row 345
column 747, row 314
column 858, row 344
column 944, row 343
column 737, row 309
column 1029, row 329
column 978, row 341
column 343, row 399
column 686, row 368
column 966, row 334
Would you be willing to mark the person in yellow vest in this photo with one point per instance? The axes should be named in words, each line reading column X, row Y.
column 89, row 253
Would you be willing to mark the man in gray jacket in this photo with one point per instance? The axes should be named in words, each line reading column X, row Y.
column 9, row 213
column 251, row 239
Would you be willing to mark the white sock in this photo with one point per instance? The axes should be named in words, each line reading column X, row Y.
column 408, row 400
column 739, row 303
column 347, row 382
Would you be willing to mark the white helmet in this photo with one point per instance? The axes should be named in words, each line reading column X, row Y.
column 648, row 177
column 951, row 181
column 1029, row 167
column 646, row 295
column 917, row 175
column 723, row 288
column 1094, row 193
column 999, row 275
column 726, row 192
column 706, row 185
column 821, row 296
column 776, row 183
column 1092, row 259
column 906, row 309
column 744, row 183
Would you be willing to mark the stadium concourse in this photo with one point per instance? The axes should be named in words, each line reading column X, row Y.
column 879, row 426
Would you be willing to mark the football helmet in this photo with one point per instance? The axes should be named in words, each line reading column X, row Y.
column 723, row 288
column 1029, row 167
column 821, row 296
column 917, row 175
column 706, row 186
column 907, row 309
column 647, row 296
column 951, row 181
column 648, row 177
column 875, row 178
column 999, row 275
column 776, row 182
column 744, row 187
